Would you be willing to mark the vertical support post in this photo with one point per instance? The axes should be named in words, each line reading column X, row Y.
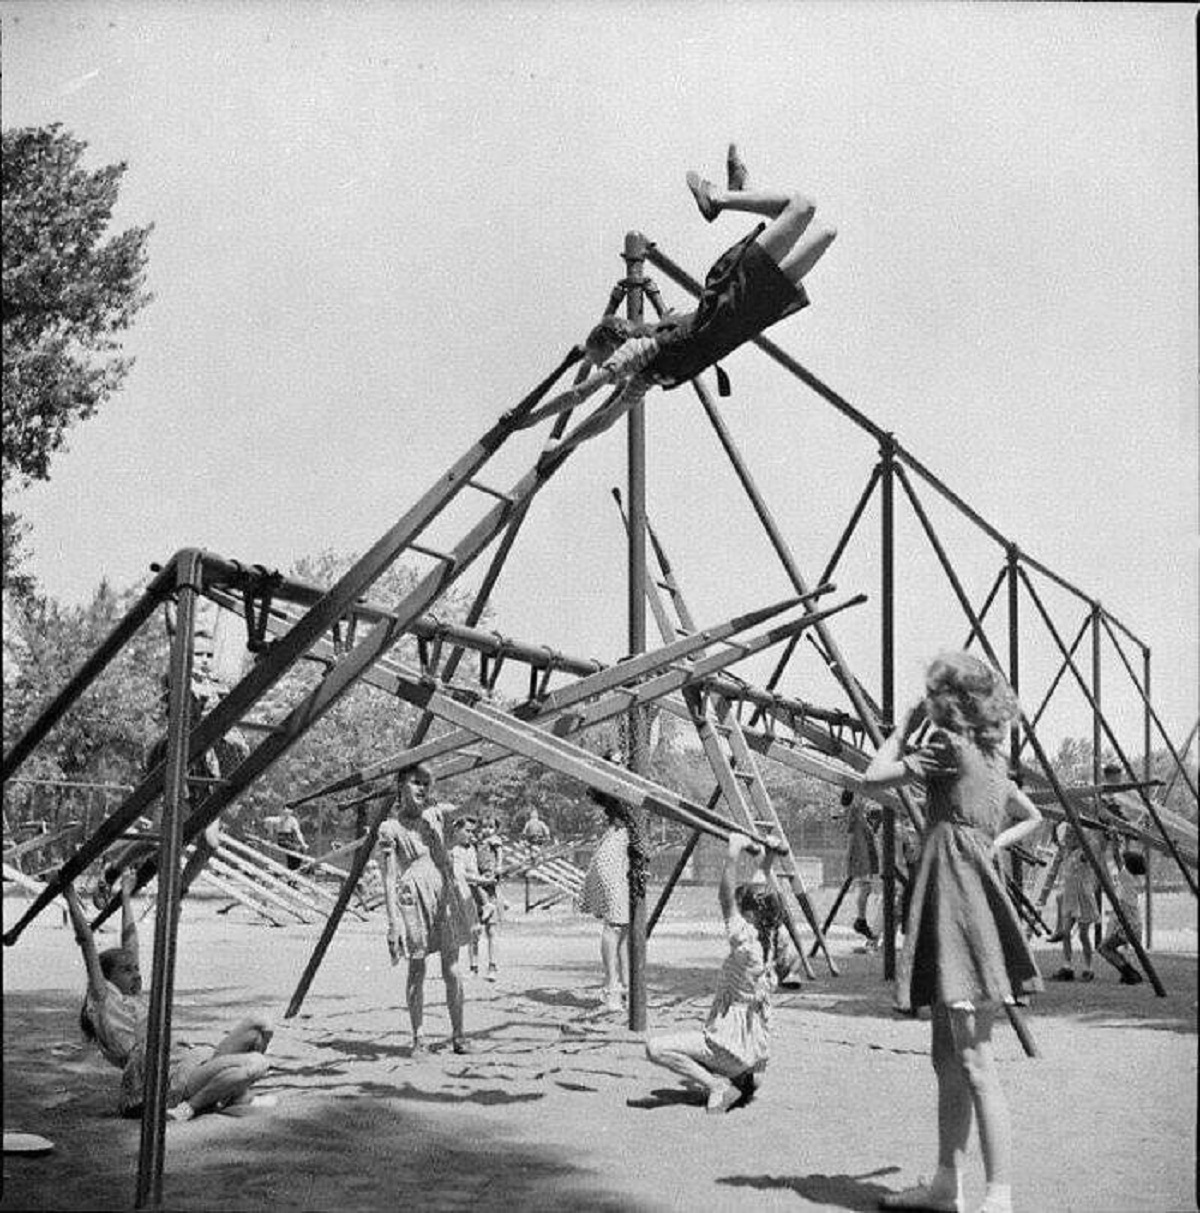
column 1014, row 681
column 887, row 611
column 639, row 757
column 162, row 982
column 1147, row 775
column 1097, row 736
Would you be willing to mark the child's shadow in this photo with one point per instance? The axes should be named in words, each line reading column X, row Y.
column 667, row 1097
column 840, row 1191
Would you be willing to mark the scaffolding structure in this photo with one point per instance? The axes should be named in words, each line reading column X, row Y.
column 739, row 725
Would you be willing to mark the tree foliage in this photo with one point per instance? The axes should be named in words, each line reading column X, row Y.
column 67, row 292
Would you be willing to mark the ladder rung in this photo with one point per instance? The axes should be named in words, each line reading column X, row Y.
column 491, row 492
column 748, row 776
column 416, row 547
column 259, row 726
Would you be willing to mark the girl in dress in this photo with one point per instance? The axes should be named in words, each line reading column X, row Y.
column 752, row 285
column 114, row 1016
column 619, row 863
column 727, row 1056
column 965, row 953
column 426, row 909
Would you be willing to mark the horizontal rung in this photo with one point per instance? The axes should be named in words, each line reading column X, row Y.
column 259, row 726
column 491, row 492
column 748, row 776
column 416, row 547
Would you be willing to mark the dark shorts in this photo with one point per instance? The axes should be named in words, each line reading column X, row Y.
column 744, row 293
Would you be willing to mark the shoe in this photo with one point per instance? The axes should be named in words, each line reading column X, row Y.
column 460, row 1044
column 702, row 192
column 735, row 168
column 1130, row 976
column 747, row 1084
column 418, row 1049
column 920, row 1196
column 1057, row 937
column 1087, row 975
column 493, row 973
column 860, row 925
column 182, row 1111
column 721, row 1100
column 1063, row 974
column 475, row 970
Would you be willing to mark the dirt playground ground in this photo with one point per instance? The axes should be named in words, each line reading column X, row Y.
column 559, row 1109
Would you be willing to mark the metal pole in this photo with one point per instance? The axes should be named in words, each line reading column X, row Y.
column 162, row 982
column 887, row 607
column 1146, row 775
column 639, row 758
column 1014, row 680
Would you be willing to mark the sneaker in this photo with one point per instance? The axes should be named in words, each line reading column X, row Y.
column 460, row 1044
column 702, row 192
column 493, row 973
column 1087, row 975
column 1130, row 976
column 182, row 1111
column 861, row 926
column 921, row 1196
column 1063, row 974
column 722, row 1099
column 735, row 168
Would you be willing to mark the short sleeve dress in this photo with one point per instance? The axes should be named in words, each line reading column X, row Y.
column 738, row 1027
column 605, row 892
column 964, row 943
column 862, row 855
column 434, row 915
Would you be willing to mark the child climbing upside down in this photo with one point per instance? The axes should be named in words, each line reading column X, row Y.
column 114, row 1015
column 965, row 954
column 728, row 1055
column 752, row 285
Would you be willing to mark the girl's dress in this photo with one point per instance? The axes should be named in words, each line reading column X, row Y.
column 744, row 293
column 1078, row 897
column 738, row 1027
column 862, row 856
column 434, row 915
column 487, row 896
column 605, row 892
column 964, row 944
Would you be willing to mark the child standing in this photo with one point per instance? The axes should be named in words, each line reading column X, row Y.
column 1130, row 870
column 465, row 864
column 426, row 911
column 114, row 1016
column 965, row 953
column 1077, row 907
column 862, row 861
column 489, row 860
column 728, row 1055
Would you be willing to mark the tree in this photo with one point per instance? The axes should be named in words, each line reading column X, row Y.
column 67, row 292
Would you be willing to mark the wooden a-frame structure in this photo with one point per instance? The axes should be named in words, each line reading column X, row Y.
column 288, row 623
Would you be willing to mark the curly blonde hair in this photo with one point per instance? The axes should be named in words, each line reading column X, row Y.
column 965, row 695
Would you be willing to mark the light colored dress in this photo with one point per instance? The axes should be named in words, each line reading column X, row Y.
column 1078, row 897
column 964, row 942
column 434, row 916
column 739, row 1021
column 605, row 892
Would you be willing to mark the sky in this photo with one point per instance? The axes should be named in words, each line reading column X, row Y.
column 376, row 226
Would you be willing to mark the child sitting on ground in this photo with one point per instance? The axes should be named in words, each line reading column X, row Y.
column 114, row 1016
column 1130, row 867
column 728, row 1055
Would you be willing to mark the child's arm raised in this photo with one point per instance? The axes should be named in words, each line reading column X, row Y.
column 726, row 890
column 129, row 931
column 888, row 769
column 1027, row 818
column 86, row 942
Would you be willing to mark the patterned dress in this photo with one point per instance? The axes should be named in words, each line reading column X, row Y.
column 434, row 916
column 964, row 943
column 739, row 1021
column 605, row 891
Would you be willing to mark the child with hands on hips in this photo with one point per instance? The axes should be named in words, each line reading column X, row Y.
column 727, row 1056
column 115, row 1013
column 965, row 952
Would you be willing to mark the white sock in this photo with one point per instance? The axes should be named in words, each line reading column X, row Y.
column 947, row 1182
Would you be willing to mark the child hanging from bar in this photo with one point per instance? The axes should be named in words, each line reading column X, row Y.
column 114, row 1016
column 728, row 1055
column 755, row 283
column 965, row 953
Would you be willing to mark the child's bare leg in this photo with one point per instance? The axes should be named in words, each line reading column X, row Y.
column 454, row 989
column 414, row 989
column 223, row 1079
column 249, row 1035
column 610, row 955
column 973, row 1038
column 805, row 253
column 1085, row 944
column 678, row 1052
column 955, row 1108
column 493, row 948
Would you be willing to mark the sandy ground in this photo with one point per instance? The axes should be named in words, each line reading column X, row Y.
column 558, row 1108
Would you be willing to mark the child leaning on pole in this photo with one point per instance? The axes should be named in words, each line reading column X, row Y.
column 727, row 1056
